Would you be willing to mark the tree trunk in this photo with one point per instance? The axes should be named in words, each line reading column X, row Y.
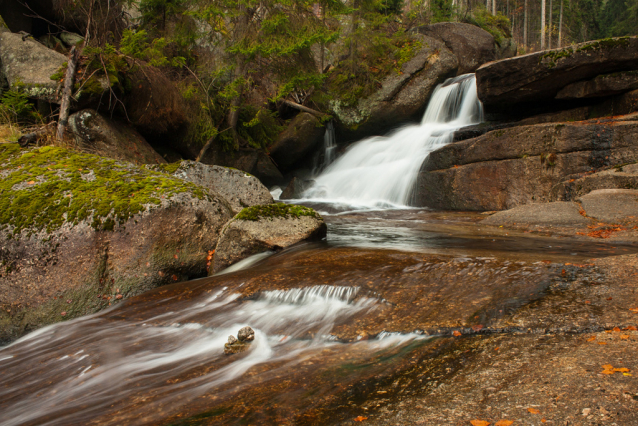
column 493, row 7
column 66, row 94
column 560, row 26
column 551, row 25
column 542, row 24
column 525, row 27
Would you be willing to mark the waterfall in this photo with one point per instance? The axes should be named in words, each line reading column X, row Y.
column 326, row 156
column 381, row 171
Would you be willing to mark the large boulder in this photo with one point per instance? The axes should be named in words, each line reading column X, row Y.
column 509, row 167
column 99, row 135
column 239, row 188
column 303, row 135
column 28, row 65
column 401, row 97
column 79, row 232
column 260, row 228
column 473, row 46
column 539, row 76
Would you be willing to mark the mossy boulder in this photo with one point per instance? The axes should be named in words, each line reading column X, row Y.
column 270, row 227
column 538, row 77
column 79, row 232
column 401, row 96
column 239, row 188
column 28, row 65
column 100, row 135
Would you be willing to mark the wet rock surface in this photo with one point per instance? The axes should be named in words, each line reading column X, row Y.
column 522, row 335
column 303, row 134
column 295, row 189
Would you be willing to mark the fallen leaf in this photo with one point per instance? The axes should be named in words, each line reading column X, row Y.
column 622, row 370
column 360, row 418
column 608, row 366
column 504, row 423
column 631, row 327
column 591, row 339
column 477, row 327
column 31, row 182
column 624, row 336
column 602, row 343
column 608, row 371
column 617, row 329
column 533, row 410
column 479, row 423
column 543, row 420
column 456, row 333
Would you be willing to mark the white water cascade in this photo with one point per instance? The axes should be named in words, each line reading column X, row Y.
column 381, row 171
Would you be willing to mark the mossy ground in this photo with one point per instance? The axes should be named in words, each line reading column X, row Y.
column 44, row 188
column 275, row 210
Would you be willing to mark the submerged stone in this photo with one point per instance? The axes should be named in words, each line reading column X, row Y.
column 246, row 334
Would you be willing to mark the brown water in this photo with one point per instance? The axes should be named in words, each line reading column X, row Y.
column 333, row 322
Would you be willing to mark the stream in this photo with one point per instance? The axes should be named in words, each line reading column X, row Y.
column 333, row 321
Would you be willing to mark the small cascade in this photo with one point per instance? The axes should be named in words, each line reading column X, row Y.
column 380, row 172
column 327, row 155
column 309, row 295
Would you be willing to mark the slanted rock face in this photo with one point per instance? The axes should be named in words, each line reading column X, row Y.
column 602, row 85
column 302, row 135
column 28, row 66
column 539, row 76
column 260, row 228
column 238, row 188
column 473, row 46
column 99, row 135
column 509, row 167
column 253, row 161
column 79, row 232
column 402, row 96
column 620, row 177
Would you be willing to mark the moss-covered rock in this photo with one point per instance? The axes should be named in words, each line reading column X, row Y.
column 270, row 227
column 79, row 232
column 239, row 188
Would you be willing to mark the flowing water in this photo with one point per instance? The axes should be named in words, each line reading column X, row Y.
column 340, row 326
column 381, row 171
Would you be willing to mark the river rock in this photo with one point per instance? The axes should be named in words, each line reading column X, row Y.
column 520, row 165
column 79, row 232
column 301, row 137
column 270, row 227
column 402, row 97
column 246, row 334
column 28, row 65
column 252, row 161
column 558, row 213
column 611, row 205
column 473, row 46
column 602, row 85
column 539, row 76
column 99, row 135
column 239, row 188
column 71, row 39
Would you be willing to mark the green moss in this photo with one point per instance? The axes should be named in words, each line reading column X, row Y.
column 168, row 168
column 606, row 43
column 42, row 189
column 275, row 210
column 59, row 74
column 91, row 87
column 553, row 56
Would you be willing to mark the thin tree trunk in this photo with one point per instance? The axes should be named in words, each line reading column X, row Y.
column 66, row 94
column 560, row 26
column 542, row 24
column 551, row 25
column 493, row 7
column 525, row 27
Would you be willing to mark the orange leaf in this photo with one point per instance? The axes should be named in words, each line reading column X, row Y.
column 31, row 182
column 360, row 418
column 456, row 333
column 503, row 423
column 591, row 339
column 616, row 329
column 624, row 336
column 608, row 366
column 622, row 370
column 608, row 371
column 602, row 343
column 533, row 410
column 479, row 423
column 631, row 327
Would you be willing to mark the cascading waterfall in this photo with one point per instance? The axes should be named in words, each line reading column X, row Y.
column 381, row 171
